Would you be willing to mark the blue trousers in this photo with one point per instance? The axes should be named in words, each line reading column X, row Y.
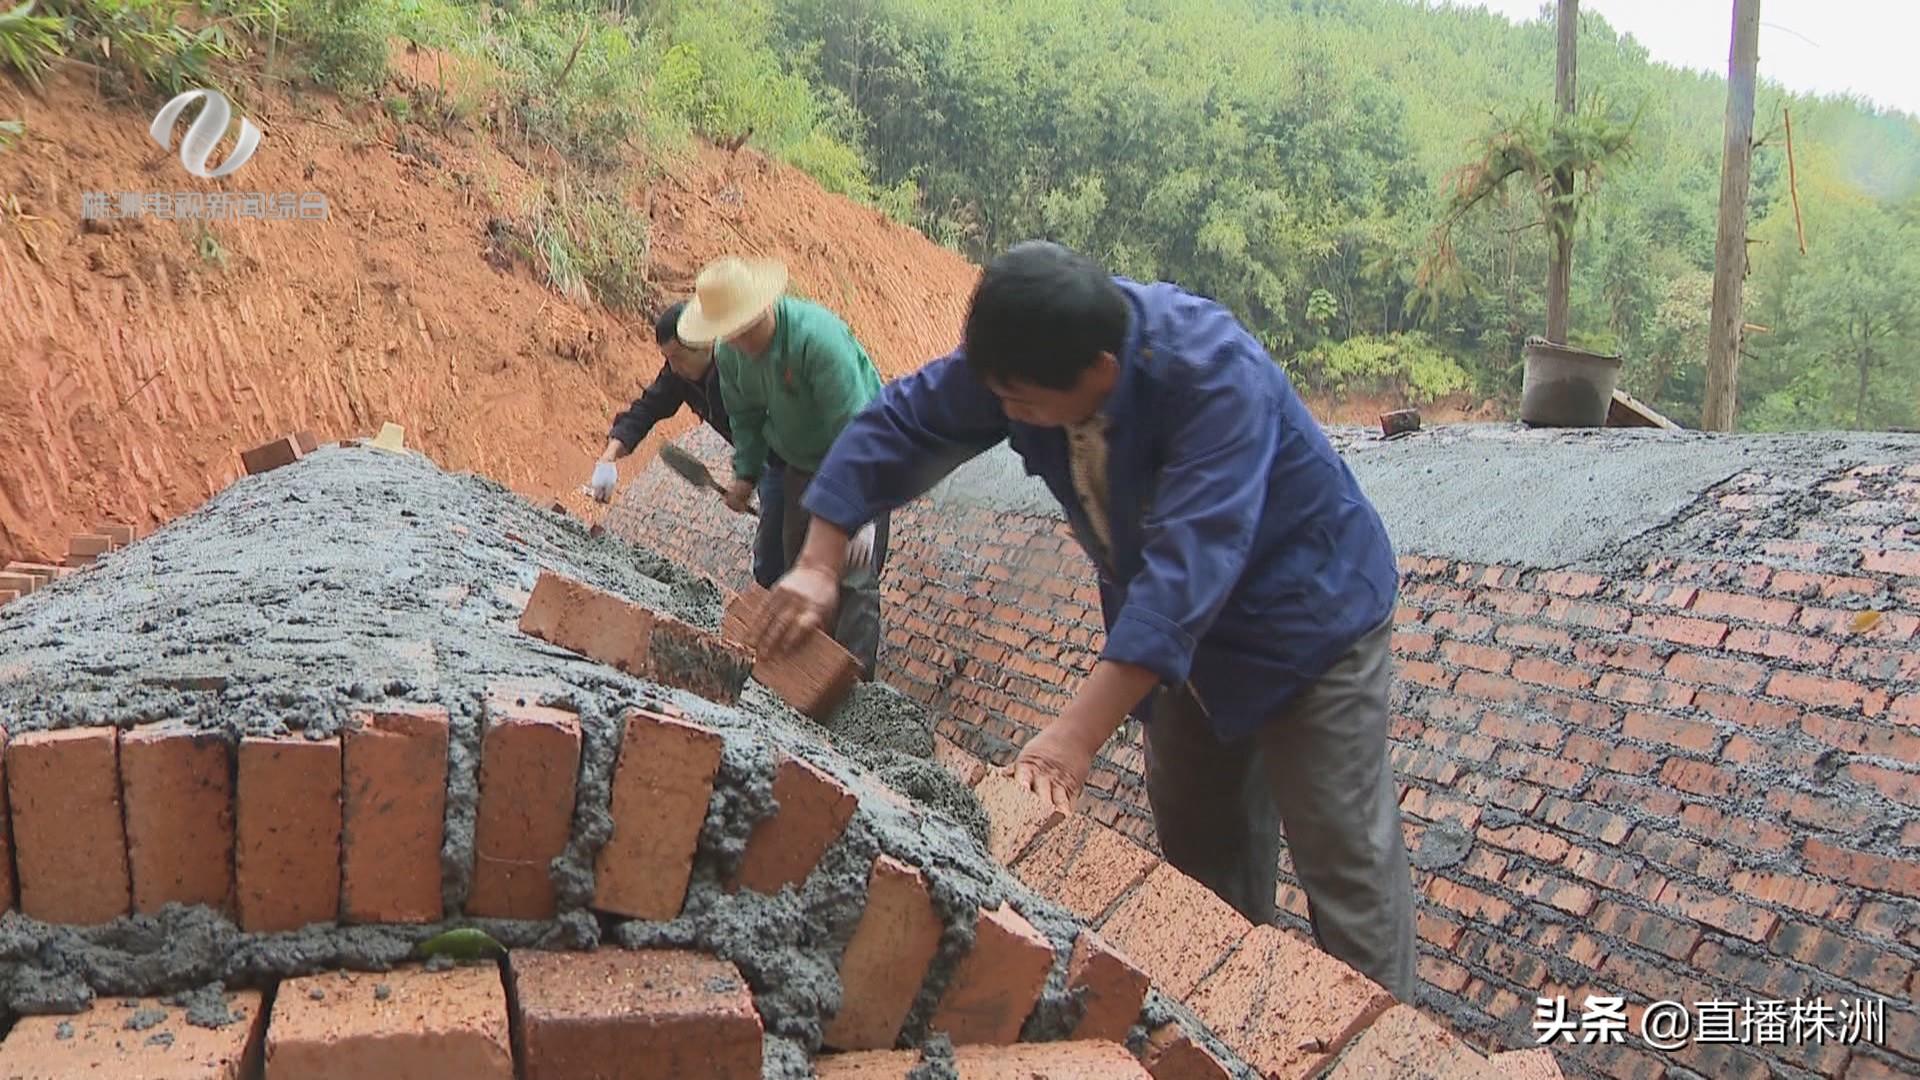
column 769, row 543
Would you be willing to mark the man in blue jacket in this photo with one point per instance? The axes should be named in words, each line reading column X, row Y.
column 1247, row 584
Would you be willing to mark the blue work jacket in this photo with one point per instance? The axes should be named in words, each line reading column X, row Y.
column 1245, row 559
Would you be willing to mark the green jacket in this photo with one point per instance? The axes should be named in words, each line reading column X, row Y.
column 797, row 396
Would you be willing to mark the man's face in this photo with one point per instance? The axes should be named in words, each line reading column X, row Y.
column 688, row 361
column 754, row 337
column 1027, row 403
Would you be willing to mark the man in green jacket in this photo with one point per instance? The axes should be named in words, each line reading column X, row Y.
column 792, row 376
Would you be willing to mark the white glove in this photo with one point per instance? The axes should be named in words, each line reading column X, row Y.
column 605, row 477
column 860, row 548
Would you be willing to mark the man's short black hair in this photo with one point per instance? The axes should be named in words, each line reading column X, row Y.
column 1042, row 314
column 666, row 328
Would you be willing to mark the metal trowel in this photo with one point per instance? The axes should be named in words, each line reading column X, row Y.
column 693, row 471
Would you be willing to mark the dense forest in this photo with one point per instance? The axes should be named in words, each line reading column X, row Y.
column 1295, row 159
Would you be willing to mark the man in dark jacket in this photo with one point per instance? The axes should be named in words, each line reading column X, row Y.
column 1247, row 584
column 690, row 377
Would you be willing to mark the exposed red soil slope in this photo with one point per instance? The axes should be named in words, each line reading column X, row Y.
column 136, row 367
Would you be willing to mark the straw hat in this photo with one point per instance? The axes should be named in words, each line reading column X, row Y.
column 730, row 293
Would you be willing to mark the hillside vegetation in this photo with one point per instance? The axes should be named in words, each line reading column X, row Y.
column 1292, row 158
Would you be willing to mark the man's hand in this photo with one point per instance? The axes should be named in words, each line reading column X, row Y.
column 1054, row 763
column 738, row 494
column 803, row 599
column 605, row 479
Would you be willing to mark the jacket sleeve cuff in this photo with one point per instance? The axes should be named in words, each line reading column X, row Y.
column 1145, row 639
column 832, row 503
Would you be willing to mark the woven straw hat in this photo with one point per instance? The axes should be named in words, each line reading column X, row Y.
column 730, row 293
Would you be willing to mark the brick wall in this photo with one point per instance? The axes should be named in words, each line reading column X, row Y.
column 1688, row 777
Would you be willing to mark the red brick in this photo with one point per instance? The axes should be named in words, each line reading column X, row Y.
column 1607, row 871
column 1634, row 691
column 287, row 832
column 1816, row 691
column 1543, row 770
column 1864, row 1066
column 1625, row 655
column 1075, row 1060
column 1665, row 936
column 1573, row 583
column 956, row 760
column 98, row 1042
column 1485, row 687
column 596, row 624
column 814, row 678
column 681, row 1013
column 1745, row 608
column 1442, row 974
column 1698, row 777
column 997, row 983
column 1110, row 988
column 1671, row 731
column 269, row 456
column 1681, row 630
column 393, row 820
column 887, row 958
column 1845, row 864
column 1587, row 820
column 1906, row 710
column 1732, row 674
column 1892, row 627
column 20, row 584
column 1481, row 657
column 1402, row 1042
column 1606, row 755
column 1285, row 1006
column 1528, row 841
column 1595, row 616
column 1823, row 586
column 661, row 786
column 177, row 782
column 1210, row 926
column 1460, row 625
column 812, row 809
column 529, row 767
column 1432, row 676
column 1016, row 816
column 1529, row 636
column 1412, row 643
column 1550, row 889
column 1509, row 602
column 307, row 441
column 1852, row 961
column 1459, row 744
column 697, row 661
column 1901, row 787
column 1682, row 853
column 1899, row 563
column 1084, row 867
column 1547, row 673
column 1747, row 712
column 68, row 840
column 866, row 1065
column 1754, row 835
column 338, row 1026
column 1586, row 714
column 1720, row 911
column 1780, row 645
column 1469, row 902
column 1535, row 1064
column 1172, row 1054
column 1426, row 806
column 8, row 892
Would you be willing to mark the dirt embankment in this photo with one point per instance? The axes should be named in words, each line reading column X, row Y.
column 138, row 355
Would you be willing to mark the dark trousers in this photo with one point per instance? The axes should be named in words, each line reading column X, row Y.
column 769, row 538
column 1321, row 772
column 857, row 624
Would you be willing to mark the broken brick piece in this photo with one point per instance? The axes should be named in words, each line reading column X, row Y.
column 341, row 1025
column 666, row 1012
column 813, row 678
column 998, row 981
column 887, row 959
column 69, row 842
column 99, row 1042
column 812, row 810
column 529, row 765
column 1015, row 814
column 1399, row 422
column 596, row 624
column 1171, row 1054
column 1402, row 1042
column 306, row 441
column 1285, row 1006
column 686, row 658
column 1111, row 988
column 177, row 783
column 394, row 802
column 287, row 832
column 662, row 783
column 269, row 456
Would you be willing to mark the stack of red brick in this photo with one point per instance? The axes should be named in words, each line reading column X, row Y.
column 20, row 578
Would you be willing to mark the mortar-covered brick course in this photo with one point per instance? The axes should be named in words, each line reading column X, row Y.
column 1670, row 766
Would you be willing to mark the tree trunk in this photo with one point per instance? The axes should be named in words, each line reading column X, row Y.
column 1560, row 215
column 1730, row 253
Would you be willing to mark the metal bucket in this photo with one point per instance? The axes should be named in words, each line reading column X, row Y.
column 1566, row 387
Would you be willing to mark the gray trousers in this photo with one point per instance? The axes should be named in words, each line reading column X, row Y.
column 1321, row 770
column 857, row 625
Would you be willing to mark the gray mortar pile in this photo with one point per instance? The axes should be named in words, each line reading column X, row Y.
column 357, row 577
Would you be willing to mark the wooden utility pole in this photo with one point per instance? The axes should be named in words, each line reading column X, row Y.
column 1730, row 254
column 1560, row 215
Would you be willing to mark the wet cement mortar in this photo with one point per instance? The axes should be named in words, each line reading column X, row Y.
column 358, row 578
